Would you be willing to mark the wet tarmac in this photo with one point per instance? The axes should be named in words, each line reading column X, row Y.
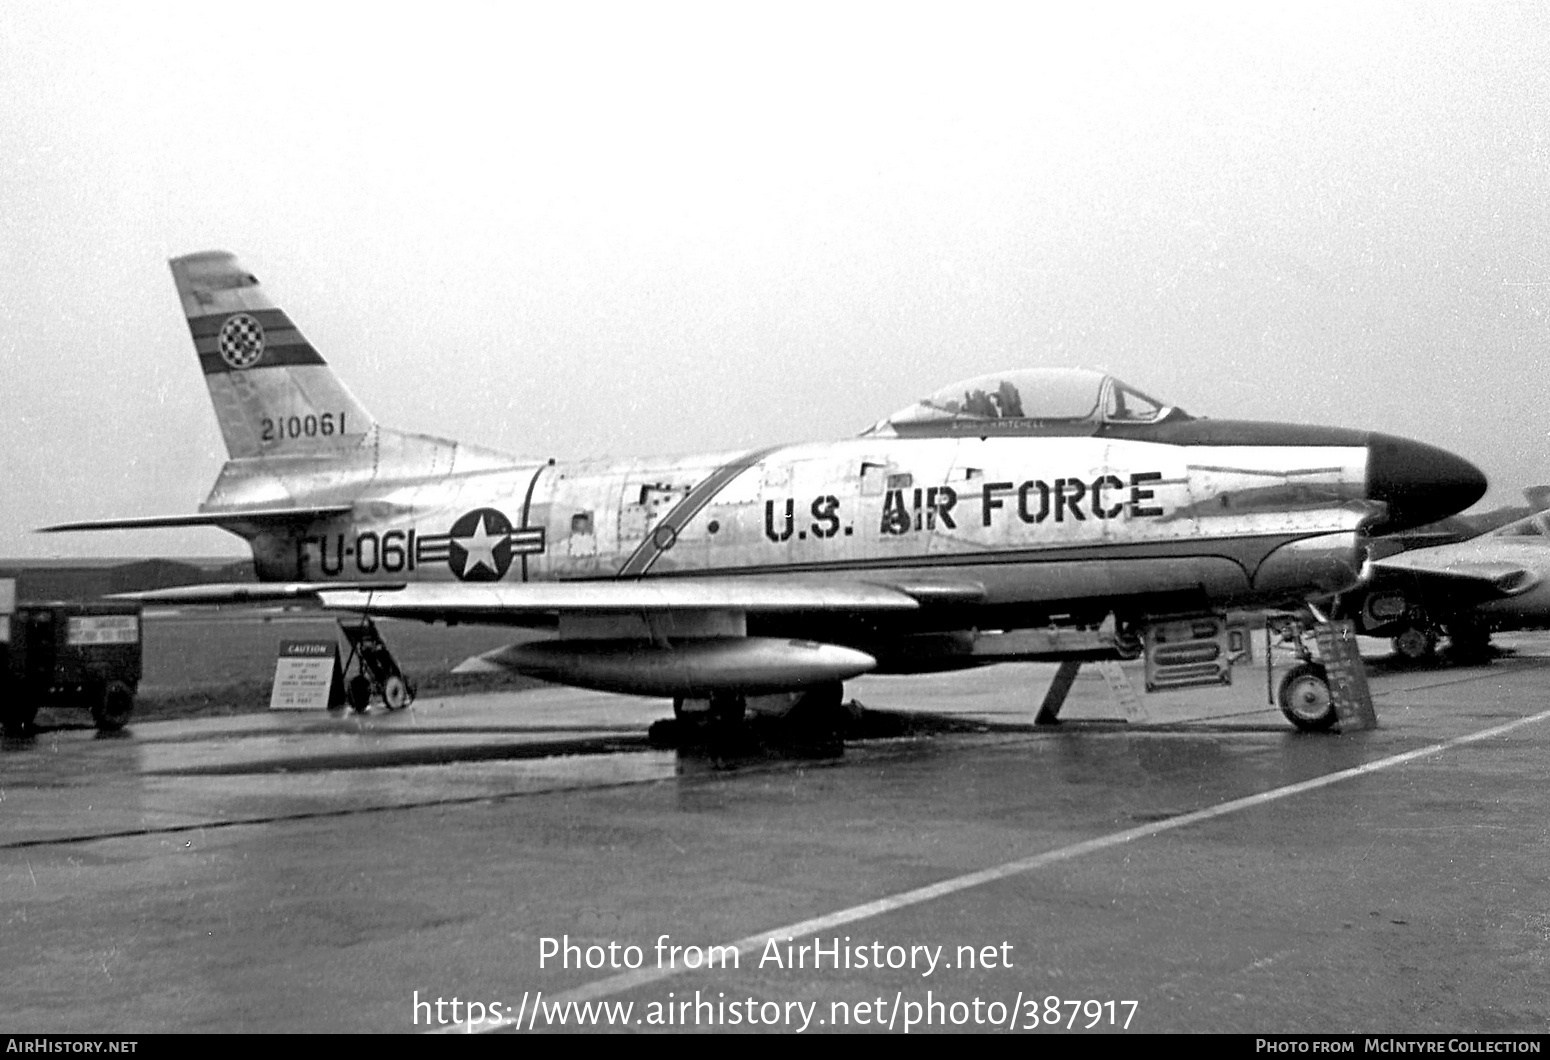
column 1202, row 868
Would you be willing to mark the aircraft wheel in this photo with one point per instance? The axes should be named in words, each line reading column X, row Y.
column 664, row 734
column 727, row 710
column 816, row 721
column 358, row 692
column 396, row 694
column 112, row 710
column 1469, row 642
column 1305, row 698
column 1416, row 644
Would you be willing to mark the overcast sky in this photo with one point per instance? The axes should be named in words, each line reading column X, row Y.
column 573, row 230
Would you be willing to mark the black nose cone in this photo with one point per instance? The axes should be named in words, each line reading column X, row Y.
column 1420, row 483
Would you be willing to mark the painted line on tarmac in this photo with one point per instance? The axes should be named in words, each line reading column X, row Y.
column 616, row 984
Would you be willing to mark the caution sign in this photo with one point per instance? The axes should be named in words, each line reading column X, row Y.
column 307, row 676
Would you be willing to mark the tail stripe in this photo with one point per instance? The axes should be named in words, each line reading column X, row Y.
column 274, row 340
column 272, row 337
column 274, row 357
column 209, row 326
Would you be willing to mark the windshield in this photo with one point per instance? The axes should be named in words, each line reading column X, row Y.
column 1129, row 405
column 1048, row 396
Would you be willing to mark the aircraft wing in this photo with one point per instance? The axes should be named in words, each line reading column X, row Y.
column 467, row 602
column 485, row 602
column 1489, row 579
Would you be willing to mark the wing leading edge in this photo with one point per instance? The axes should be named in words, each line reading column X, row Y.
column 475, row 603
column 466, row 602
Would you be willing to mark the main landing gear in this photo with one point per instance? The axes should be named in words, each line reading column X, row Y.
column 1469, row 641
column 717, row 724
column 1418, row 633
column 1415, row 643
column 810, row 723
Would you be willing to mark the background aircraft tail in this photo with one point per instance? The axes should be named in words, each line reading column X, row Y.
column 273, row 394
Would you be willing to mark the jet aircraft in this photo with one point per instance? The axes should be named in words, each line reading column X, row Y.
column 981, row 524
column 1464, row 589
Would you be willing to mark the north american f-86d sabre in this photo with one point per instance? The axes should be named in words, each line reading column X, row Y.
column 975, row 526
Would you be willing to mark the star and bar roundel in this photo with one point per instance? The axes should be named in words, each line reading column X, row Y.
column 480, row 546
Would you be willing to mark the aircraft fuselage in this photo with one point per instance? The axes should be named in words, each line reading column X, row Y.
column 1038, row 522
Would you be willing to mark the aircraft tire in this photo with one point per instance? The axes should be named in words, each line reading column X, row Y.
column 396, row 694
column 1305, row 698
column 664, row 734
column 1469, row 642
column 111, row 710
column 1415, row 644
column 816, row 722
column 1129, row 644
column 727, row 711
column 358, row 693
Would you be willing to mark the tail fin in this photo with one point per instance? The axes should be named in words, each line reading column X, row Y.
column 273, row 393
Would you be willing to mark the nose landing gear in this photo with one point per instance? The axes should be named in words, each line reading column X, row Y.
column 1326, row 691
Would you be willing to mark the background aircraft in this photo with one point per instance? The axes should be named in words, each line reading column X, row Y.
column 978, row 525
column 1462, row 589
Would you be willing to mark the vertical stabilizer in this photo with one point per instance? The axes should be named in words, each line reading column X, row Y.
column 273, row 394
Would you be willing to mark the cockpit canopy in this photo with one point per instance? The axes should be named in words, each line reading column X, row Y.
column 1026, row 401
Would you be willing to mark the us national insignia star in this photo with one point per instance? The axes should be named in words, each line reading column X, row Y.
column 481, row 546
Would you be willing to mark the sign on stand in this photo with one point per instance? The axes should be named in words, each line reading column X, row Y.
column 307, row 676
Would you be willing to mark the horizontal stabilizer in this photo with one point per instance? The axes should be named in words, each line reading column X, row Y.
column 220, row 519
column 217, row 593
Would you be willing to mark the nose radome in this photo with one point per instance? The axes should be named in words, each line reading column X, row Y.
column 1420, row 483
